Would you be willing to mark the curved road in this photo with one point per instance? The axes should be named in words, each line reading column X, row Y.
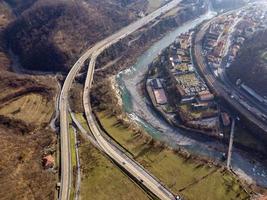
column 222, row 89
column 129, row 165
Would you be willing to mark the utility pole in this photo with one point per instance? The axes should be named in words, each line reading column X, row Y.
column 230, row 149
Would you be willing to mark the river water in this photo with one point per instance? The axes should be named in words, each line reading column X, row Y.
column 140, row 110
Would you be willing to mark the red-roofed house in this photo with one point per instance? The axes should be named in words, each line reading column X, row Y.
column 263, row 198
column 160, row 96
column 205, row 96
column 48, row 161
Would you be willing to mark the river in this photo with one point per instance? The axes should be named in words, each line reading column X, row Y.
column 140, row 110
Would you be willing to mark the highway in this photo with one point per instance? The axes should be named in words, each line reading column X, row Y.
column 115, row 153
column 124, row 161
column 222, row 89
column 111, row 150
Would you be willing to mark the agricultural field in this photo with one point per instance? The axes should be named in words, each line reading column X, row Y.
column 26, row 107
column 102, row 180
column 182, row 175
column 31, row 108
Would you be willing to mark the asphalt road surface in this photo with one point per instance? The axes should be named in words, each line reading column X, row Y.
column 224, row 90
column 129, row 165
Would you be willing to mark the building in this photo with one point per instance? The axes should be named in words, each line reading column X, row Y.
column 225, row 119
column 263, row 198
column 186, row 100
column 205, row 96
column 200, row 106
column 160, row 96
column 48, row 161
column 156, row 84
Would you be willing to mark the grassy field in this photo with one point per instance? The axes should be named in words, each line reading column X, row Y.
column 82, row 120
column 31, row 108
column 72, row 144
column 73, row 161
column 102, row 180
column 194, row 180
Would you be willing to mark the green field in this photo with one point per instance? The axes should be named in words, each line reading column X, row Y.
column 82, row 121
column 102, row 180
column 72, row 145
column 73, row 159
column 193, row 180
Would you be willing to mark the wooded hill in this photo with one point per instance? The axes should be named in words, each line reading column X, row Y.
column 49, row 35
column 251, row 64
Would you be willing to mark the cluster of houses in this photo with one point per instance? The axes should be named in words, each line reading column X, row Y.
column 215, row 43
column 191, row 88
column 226, row 35
column 196, row 107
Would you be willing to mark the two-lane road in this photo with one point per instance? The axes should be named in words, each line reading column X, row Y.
column 66, row 171
column 111, row 150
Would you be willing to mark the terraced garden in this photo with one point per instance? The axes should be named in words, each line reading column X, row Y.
column 31, row 108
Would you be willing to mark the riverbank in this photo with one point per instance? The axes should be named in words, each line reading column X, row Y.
column 170, row 118
column 181, row 172
column 140, row 111
column 179, row 94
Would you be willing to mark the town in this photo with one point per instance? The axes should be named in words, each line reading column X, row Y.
column 174, row 74
column 222, row 42
column 194, row 107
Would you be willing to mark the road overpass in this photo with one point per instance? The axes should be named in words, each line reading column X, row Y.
column 126, row 163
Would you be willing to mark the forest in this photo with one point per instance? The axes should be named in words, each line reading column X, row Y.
column 251, row 64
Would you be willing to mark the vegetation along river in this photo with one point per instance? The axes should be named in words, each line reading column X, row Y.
column 140, row 110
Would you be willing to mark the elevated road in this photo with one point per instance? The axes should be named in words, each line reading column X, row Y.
column 115, row 153
column 222, row 89
column 131, row 167
column 111, row 150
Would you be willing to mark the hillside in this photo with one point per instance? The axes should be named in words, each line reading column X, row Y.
column 251, row 64
column 26, row 108
column 50, row 35
column 46, row 35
